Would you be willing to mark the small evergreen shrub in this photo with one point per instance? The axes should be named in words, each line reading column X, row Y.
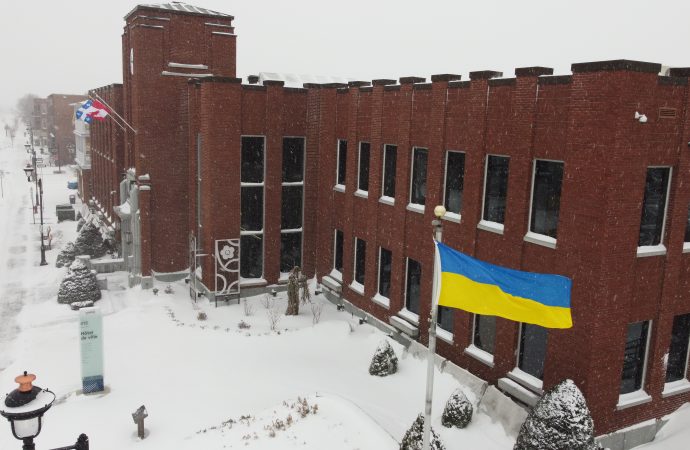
column 384, row 362
column 66, row 255
column 414, row 437
column 79, row 285
column 90, row 241
column 458, row 411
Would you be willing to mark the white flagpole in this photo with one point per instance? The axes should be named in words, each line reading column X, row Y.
column 439, row 212
column 112, row 110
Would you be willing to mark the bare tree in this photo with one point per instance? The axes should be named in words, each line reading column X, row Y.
column 293, row 292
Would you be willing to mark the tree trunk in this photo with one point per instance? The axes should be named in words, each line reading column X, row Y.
column 293, row 293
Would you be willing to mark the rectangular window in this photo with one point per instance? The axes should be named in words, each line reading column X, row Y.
column 292, row 199
column 418, row 176
column 413, row 285
column 363, row 170
column 455, row 175
column 495, row 188
column 546, row 197
column 484, row 333
column 360, row 260
column 677, row 366
column 342, row 162
column 532, row 351
column 251, row 206
column 385, row 262
column 654, row 206
column 445, row 318
column 338, row 251
column 687, row 229
column 634, row 358
column 390, row 154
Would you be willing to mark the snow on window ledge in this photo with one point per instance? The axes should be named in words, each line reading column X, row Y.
column 540, row 239
column 444, row 335
column 651, row 250
column 357, row 287
column 339, row 187
column 381, row 300
column 633, row 399
column 529, row 381
column 387, row 200
column 451, row 217
column 252, row 282
column 336, row 275
column 686, row 247
column 415, row 207
column 493, row 227
column 675, row 388
column 409, row 316
column 361, row 193
column 480, row 355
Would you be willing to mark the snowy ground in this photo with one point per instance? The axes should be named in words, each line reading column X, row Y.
column 205, row 383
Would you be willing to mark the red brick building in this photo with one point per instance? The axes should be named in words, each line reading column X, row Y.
column 60, row 118
column 585, row 175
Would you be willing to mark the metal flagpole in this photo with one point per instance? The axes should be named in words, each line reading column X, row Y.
column 439, row 212
column 113, row 111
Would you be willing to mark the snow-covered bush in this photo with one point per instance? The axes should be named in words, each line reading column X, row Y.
column 458, row 411
column 79, row 285
column 80, row 224
column 559, row 421
column 90, row 242
column 384, row 361
column 66, row 255
column 413, row 438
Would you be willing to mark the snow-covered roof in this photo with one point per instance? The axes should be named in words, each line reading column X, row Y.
column 297, row 80
column 182, row 7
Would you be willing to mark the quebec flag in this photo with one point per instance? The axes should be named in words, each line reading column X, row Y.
column 92, row 109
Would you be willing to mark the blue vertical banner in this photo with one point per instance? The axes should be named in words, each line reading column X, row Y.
column 91, row 339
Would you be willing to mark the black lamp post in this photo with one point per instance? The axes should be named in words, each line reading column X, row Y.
column 29, row 170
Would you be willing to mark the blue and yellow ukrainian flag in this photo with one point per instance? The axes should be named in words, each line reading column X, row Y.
column 482, row 288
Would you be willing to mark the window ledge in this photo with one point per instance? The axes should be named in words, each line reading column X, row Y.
column 357, row 287
column 452, row 217
column 339, row 187
column 493, row 227
column 361, row 193
column 651, row 250
column 381, row 300
column 332, row 284
column 686, row 247
column 336, row 275
column 529, row 381
column 633, row 399
column 480, row 355
column 540, row 239
column 253, row 282
column 415, row 207
column 444, row 335
column 409, row 316
column 387, row 200
column 675, row 388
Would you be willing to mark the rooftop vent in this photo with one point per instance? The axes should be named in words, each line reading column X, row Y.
column 667, row 113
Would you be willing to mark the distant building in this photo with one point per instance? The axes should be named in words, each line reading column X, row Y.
column 39, row 124
column 60, row 124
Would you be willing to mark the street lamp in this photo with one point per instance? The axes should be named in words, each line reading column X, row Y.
column 29, row 170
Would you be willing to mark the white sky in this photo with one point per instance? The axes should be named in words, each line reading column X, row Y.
column 67, row 46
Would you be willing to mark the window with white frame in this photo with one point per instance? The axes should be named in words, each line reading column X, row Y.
column 546, row 197
column 413, row 286
column 495, row 188
column 418, row 176
column 532, row 350
column 341, row 163
column 338, row 251
column 484, row 333
column 390, row 154
column 454, row 181
column 385, row 263
column 654, row 206
column 686, row 245
column 677, row 366
column 635, row 357
column 292, row 198
column 360, row 262
column 252, row 207
column 445, row 318
column 363, row 167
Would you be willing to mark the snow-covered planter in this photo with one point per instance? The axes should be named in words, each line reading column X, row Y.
column 458, row 411
column 79, row 285
column 384, row 361
column 559, row 421
column 90, row 241
column 413, row 438
column 66, row 255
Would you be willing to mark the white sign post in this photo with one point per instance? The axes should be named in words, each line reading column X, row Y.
column 91, row 338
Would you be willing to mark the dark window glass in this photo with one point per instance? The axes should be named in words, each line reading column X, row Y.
column 678, row 351
column 484, row 336
column 360, row 259
column 338, row 256
column 293, row 160
column 455, row 174
column 252, row 159
column 342, row 161
column 252, row 215
column 413, row 288
column 546, row 197
column 532, row 350
column 291, row 211
column 418, row 188
column 496, row 188
column 363, row 183
column 385, row 261
column 251, row 256
column 653, row 208
column 445, row 318
column 634, row 357
column 290, row 251
column 687, row 228
column 390, row 154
